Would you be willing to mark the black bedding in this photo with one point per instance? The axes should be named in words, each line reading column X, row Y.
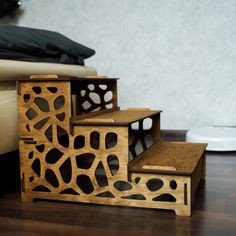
column 28, row 44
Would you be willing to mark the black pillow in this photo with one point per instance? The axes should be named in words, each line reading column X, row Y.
column 27, row 44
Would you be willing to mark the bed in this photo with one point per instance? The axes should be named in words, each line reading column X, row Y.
column 9, row 72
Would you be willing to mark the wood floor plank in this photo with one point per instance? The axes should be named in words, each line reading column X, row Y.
column 214, row 211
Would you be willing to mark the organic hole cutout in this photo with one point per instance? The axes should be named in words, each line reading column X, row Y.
column 31, row 179
column 61, row 116
column 59, row 102
column 85, row 184
column 27, row 127
column 51, row 178
column 95, row 140
column 113, row 164
column 154, row 184
column 109, row 106
column 40, row 148
column 39, row 125
column 137, row 180
column 95, row 97
column 173, row 184
column 79, row 142
column 122, row 185
column 53, row 156
column 135, row 126
column 108, row 96
column 66, row 170
column 97, row 109
column 48, row 133
column 147, row 123
column 91, row 87
column 42, row 104
column 149, row 140
column 41, row 188
column 139, row 147
column 31, row 154
column 86, row 105
column 85, row 160
column 100, row 175
column 166, row 197
column 103, row 86
column 52, row 89
column 70, row 191
column 110, row 140
column 107, row 194
column 31, row 114
column 26, row 97
column 36, row 167
column 82, row 93
column 37, row 89
column 135, row 197
column 62, row 137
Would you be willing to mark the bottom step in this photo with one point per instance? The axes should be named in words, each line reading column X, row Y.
column 172, row 172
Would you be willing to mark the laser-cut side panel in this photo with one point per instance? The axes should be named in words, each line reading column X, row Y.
column 94, row 95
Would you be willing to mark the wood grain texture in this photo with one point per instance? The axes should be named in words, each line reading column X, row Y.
column 60, row 161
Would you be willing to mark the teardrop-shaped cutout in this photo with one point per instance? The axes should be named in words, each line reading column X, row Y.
column 31, row 154
column 62, row 137
column 95, row 97
column 40, row 147
column 42, row 104
column 37, row 89
column 48, row 133
column 85, row 184
column 52, row 89
column 103, row 86
column 51, row 178
column 113, row 164
column 39, row 125
column 61, row 116
column 26, row 97
column 66, row 170
column 59, row 102
column 108, row 96
column 100, row 175
column 36, row 167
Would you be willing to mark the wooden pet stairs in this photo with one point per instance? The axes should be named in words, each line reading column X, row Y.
column 77, row 145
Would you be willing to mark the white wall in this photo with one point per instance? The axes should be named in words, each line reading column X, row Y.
column 178, row 56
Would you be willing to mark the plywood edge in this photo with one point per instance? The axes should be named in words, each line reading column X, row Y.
column 44, row 76
column 158, row 167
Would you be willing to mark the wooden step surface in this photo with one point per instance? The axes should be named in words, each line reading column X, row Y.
column 175, row 158
column 120, row 117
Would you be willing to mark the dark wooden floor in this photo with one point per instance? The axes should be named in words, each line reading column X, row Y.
column 214, row 212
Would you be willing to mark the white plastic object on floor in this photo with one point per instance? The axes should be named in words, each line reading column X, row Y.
column 217, row 138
